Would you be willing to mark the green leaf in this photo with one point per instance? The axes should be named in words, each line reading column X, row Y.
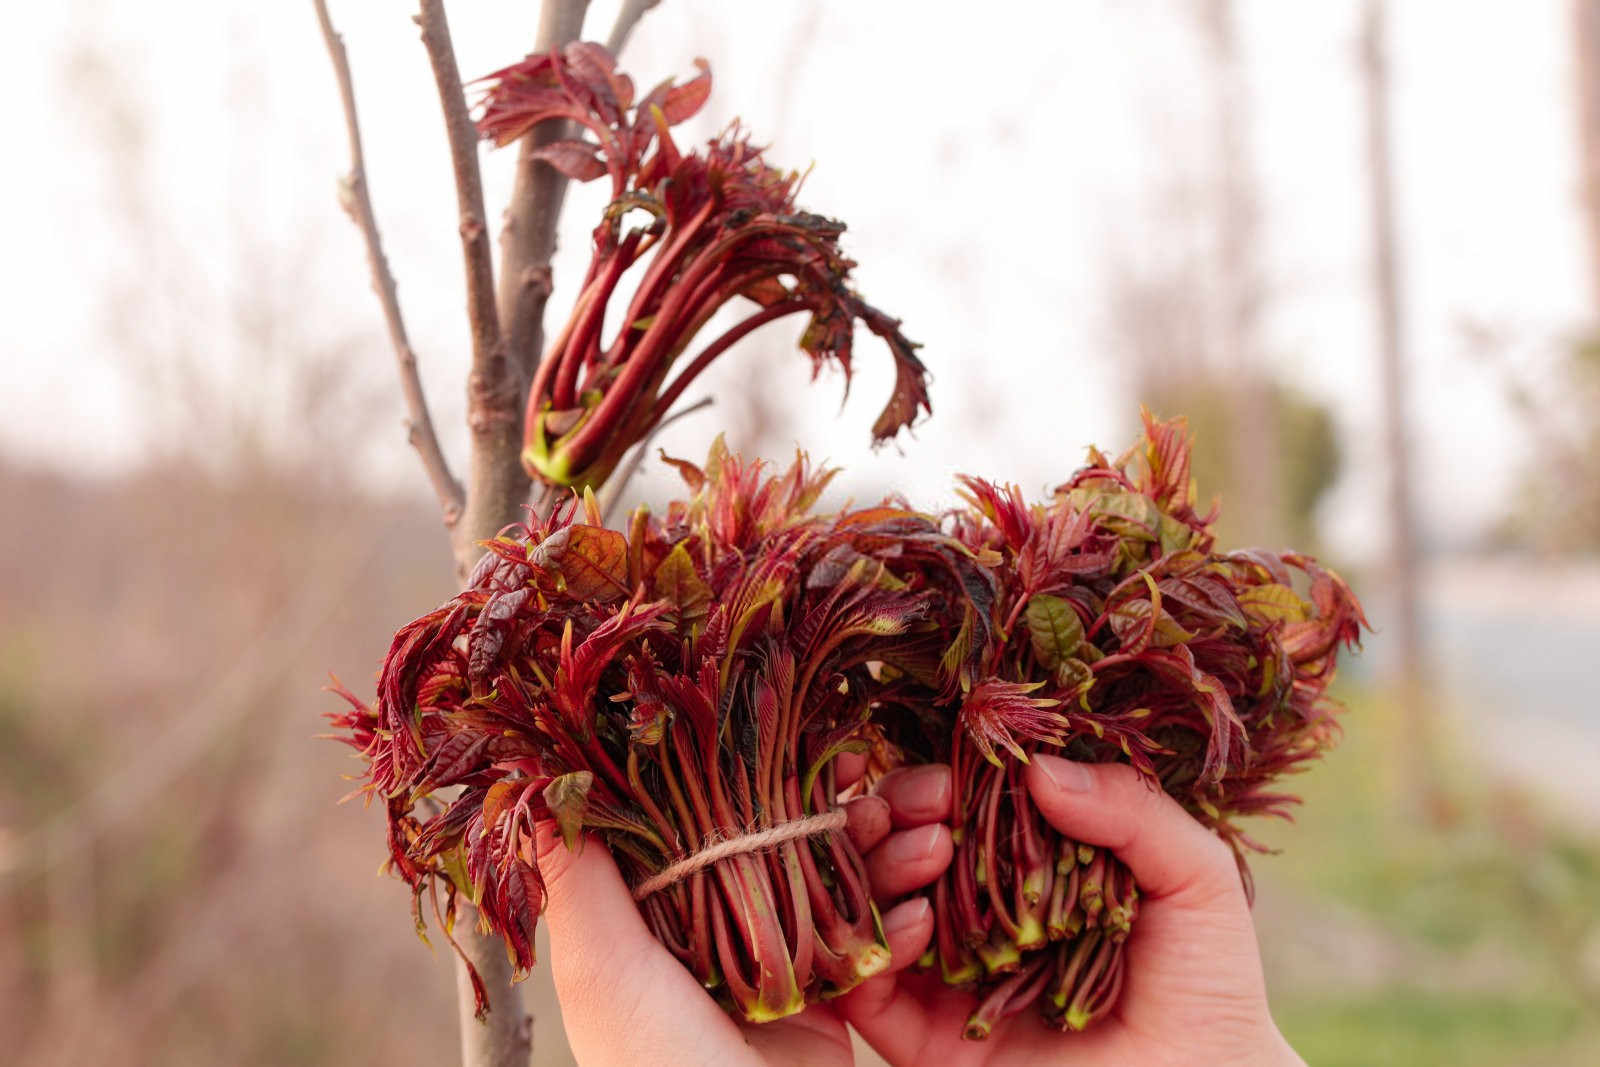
column 592, row 562
column 953, row 664
column 1055, row 629
column 677, row 581
column 568, row 798
column 716, row 458
column 1125, row 513
column 1274, row 603
column 1075, row 676
column 1175, row 536
column 417, row 920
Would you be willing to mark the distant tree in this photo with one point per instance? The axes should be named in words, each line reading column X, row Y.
column 1193, row 328
column 1555, row 388
column 1410, row 665
column 1586, row 86
column 1242, row 289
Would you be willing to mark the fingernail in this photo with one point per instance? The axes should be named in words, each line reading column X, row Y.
column 906, row 915
column 1064, row 774
column 912, row 846
column 867, row 820
column 919, row 794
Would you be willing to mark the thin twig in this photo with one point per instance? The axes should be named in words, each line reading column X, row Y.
column 632, row 11
column 357, row 203
column 488, row 351
column 611, row 495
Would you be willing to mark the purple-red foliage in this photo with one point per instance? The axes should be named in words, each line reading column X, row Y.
column 664, row 689
column 1116, row 631
column 696, row 677
column 710, row 227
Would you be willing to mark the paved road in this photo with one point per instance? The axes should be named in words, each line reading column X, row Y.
column 1516, row 643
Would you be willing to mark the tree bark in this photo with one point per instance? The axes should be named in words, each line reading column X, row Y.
column 528, row 240
column 1586, row 69
column 505, row 1036
column 627, row 18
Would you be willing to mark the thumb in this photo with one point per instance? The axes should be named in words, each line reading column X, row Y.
column 594, row 923
column 1114, row 806
column 621, row 992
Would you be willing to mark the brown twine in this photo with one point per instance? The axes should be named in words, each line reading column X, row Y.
column 738, row 846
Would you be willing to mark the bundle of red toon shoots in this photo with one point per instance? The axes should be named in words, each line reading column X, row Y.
column 1111, row 629
column 688, row 685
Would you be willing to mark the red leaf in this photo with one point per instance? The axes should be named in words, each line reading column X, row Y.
column 682, row 101
column 578, row 160
column 692, row 475
column 520, row 890
column 487, row 639
column 591, row 561
column 998, row 713
column 460, row 756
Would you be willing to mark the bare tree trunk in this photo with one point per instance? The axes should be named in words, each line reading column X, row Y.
column 505, row 1036
column 497, row 388
column 497, row 486
column 507, row 333
column 1586, row 70
column 1410, row 655
column 528, row 240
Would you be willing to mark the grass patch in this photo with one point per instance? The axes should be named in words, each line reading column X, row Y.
column 1488, row 864
column 1418, row 1028
column 1485, row 875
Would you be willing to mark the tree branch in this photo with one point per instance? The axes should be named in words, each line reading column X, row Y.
column 497, row 484
column 507, row 335
column 357, row 203
column 488, row 352
column 632, row 11
column 529, row 238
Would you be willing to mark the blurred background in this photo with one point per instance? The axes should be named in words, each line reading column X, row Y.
column 1366, row 265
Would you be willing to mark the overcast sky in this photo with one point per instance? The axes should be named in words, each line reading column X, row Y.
column 988, row 172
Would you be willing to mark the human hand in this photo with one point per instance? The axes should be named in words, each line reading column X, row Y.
column 625, row 997
column 1194, row 991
